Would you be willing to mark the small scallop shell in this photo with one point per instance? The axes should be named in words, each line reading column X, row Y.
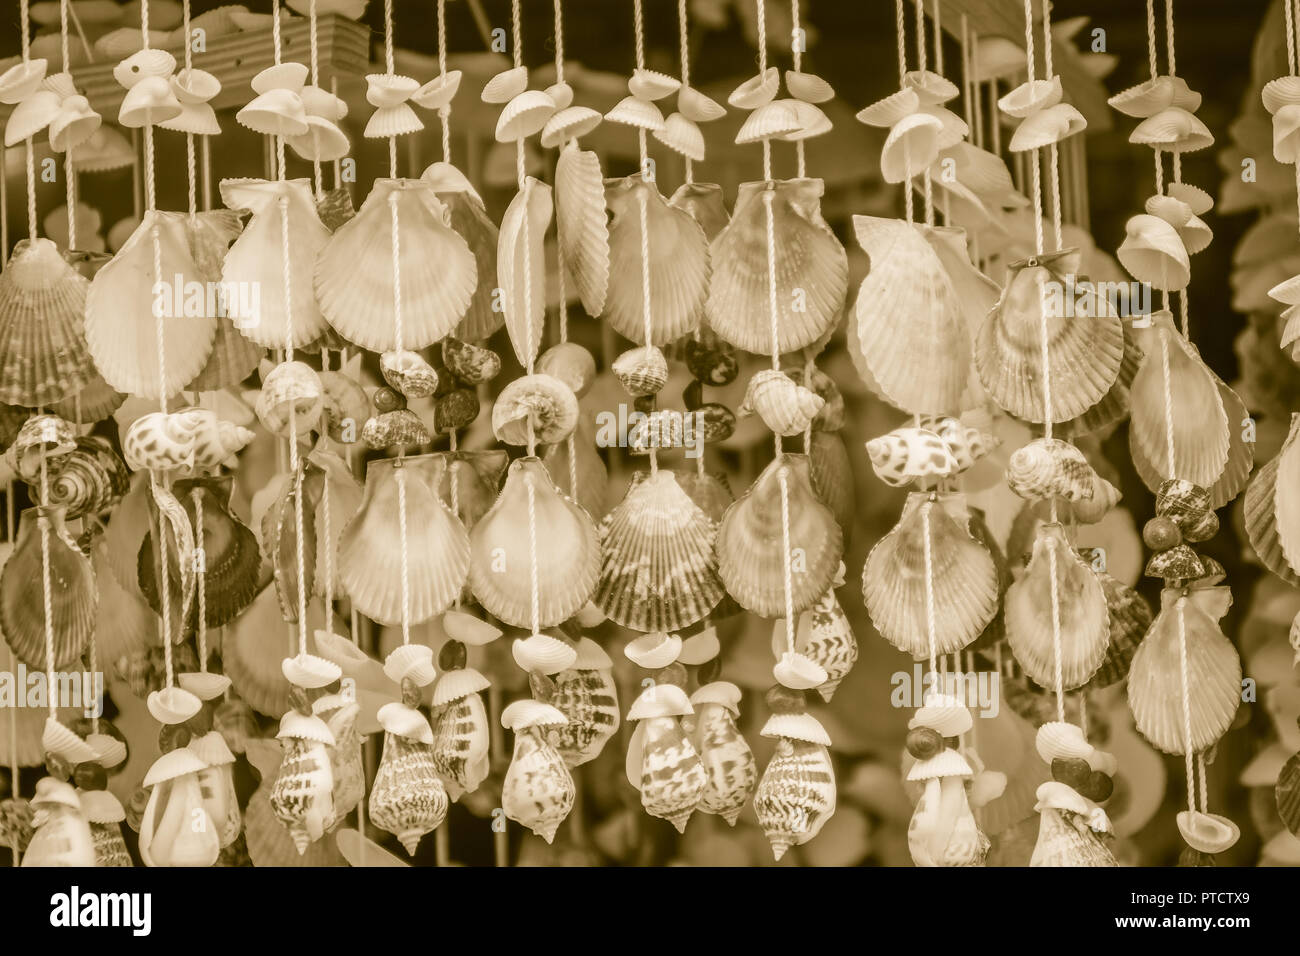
column 21, row 80
column 524, row 115
column 757, row 90
column 506, row 85
column 1049, row 126
column 413, row 661
column 641, row 114
column 796, row 795
column 59, row 740
column 143, row 64
column 785, row 407
column 641, row 371
column 571, row 122
column 770, row 121
column 700, row 648
column 945, row 714
column 581, row 224
column 277, row 112
column 1277, row 93
column 1031, row 97
column 205, row 686
column 1174, row 130
column 651, row 85
column 561, row 94
column 682, row 136
column 543, row 654
column 1156, row 94
column 696, row 106
column 539, row 406
column 911, row 147
column 653, row 651
column 1059, row 740
column 808, row 87
column 812, row 120
column 310, row 672
column 798, row 672
column 468, row 629
column 438, row 92
column 889, row 111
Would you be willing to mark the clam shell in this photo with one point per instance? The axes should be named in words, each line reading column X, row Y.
column 1174, row 130
column 506, row 85
column 659, row 571
column 437, row 550
column 774, row 120
column 521, row 268
column 310, row 672
column 413, row 661
column 751, row 553
column 538, row 791
column 1084, row 357
column 679, row 264
column 1207, row 832
column 700, row 648
column 73, row 598
column 470, row 219
column 535, row 408
column 501, row 562
column 651, row 84
column 1154, row 252
column 281, row 531
column 524, row 115
column 911, row 147
column 468, row 629
column 1158, row 93
column 1083, row 614
column 796, row 795
column 354, row 270
column 653, row 651
column 682, row 136
column 570, row 122
column 21, row 80
column 543, row 654
column 886, row 112
column 438, row 92
column 1047, row 127
column 1031, row 97
column 636, row 112
column 964, row 585
column 389, row 121
column 581, row 224
column 808, row 87
column 811, row 269
column 1155, row 690
column 407, row 798
column 561, row 94
column 697, row 106
column 756, row 90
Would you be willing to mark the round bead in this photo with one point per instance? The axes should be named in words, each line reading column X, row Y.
column 90, row 776
column 784, row 700
column 1161, row 533
column 923, row 742
column 452, row 657
column 1071, row 771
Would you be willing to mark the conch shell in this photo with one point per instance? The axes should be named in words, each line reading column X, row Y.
column 302, row 797
column 407, row 798
column 538, row 789
column 661, row 760
column 786, row 407
column 729, row 767
column 587, row 696
column 796, row 795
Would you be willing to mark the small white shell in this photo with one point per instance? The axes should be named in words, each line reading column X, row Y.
column 438, row 92
column 203, row 685
column 281, row 76
column 798, row 672
column 173, row 705
column 1207, row 832
column 682, row 136
column 641, row 114
column 696, row 106
column 543, row 653
column 531, row 713
column 411, row 660
column 808, row 87
column 803, row 727
column 591, row 656
column 769, row 121
column 1058, row 739
column 406, row 722
column 720, row 692
column 652, row 85
column 469, row 629
column 524, row 115
column 561, row 95
column 506, row 85
column 309, row 671
column 569, row 123
column 756, row 90
column 660, row 700
column 945, row 715
column 700, row 648
column 654, row 650
column 305, row 727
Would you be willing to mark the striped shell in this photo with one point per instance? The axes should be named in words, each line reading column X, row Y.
column 1065, row 839
column 460, row 744
column 538, row 789
column 672, row 776
column 909, row 453
column 88, row 480
column 303, row 795
column 1050, row 468
column 407, row 798
column 825, row 637
column 729, row 766
column 796, row 796
column 589, row 698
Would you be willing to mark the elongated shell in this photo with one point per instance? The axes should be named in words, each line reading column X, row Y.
column 568, row 551
column 43, row 355
column 521, row 267
column 460, row 744
column 121, row 329
column 679, row 264
column 581, row 224
column 538, row 790
column 729, row 767
column 671, row 776
column 1155, row 682
column 257, row 259
column 72, row 594
column 354, row 271
column 811, row 268
column 658, row 571
column 589, row 698
column 825, row 637
column 1083, row 356
column 407, row 798
column 752, row 555
column 964, row 579
column 796, row 795
column 922, row 365
column 437, row 548
column 1083, row 614
column 470, row 219
column 302, row 797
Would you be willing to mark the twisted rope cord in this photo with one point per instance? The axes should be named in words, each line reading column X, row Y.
column 684, row 57
column 444, row 114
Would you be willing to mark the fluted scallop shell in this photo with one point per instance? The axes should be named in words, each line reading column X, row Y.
column 121, row 330
column 43, row 356
column 543, row 654
column 1270, row 518
column 1155, row 685
column 354, row 271
column 302, row 797
column 538, row 790
column 679, row 264
column 636, row 112
column 786, row 407
column 568, row 555
column 1130, row 618
column 659, row 571
column 407, row 798
column 569, row 123
column 1083, row 614
column 589, row 698
column 923, row 365
column 1084, row 357
column 669, row 772
column 1115, row 404
column 697, row 106
column 72, row 594
column 1174, row 130
column 825, row 637
column 756, row 90
column 582, row 225
column 1050, row 468
column 730, row 771
column 460, row 744
column 505, row 85
column 437, row 550
column 796, row 795
column 470, row 219
column 521, row 267
column 682, row 136
column 537, row 408
column 811, row 269
column 964, row 580
column 751, row 552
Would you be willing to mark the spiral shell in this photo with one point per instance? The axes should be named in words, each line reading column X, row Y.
column 796, row 795
column 731, row 772
column 538, row 789
column 539, row 406
column 407, row 798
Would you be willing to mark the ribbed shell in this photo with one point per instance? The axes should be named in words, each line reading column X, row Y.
column 538, row 790
column 73, row 598
column 88, row 480
column 729, row 767
column 1066, row 840
column 1130, row 617
column 796, row 796
column 470, row 220
column 581, row 224
column 658, row 571
column 589, row 698
column 1260, row 507
column 825, row 637
column 407, row 799
column 110, row 848
column 811, row 269
column 672, row 776
column 460, row 744
column 521, row 268
column 302, row 797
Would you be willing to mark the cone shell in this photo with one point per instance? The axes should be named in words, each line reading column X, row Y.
column 679, row 264
column 72, row 594
column 589, row 698
column 1083, row 614
column 521, row 267
column 121, row 330
column 500, row 565
column 437, row 550
column 407, row 798
column 730, row 770
column 659, row 571
column 964, row 585
column 43, row 355
column 1084, row 357
column 470, row 219
column 796, row 795
column 460, row 741
column 751, row 553
column 811, row 269
column 354, row 271
column 582, row 225
column 1155, row 688
column 538, row 790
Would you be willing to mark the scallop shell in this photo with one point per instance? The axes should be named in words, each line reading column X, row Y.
column 1031, row 96
column 697, row 106
column 354, row 271
column 1173, row 130
column 796, row 795
column 524, row 115
column 72, row 595
column 534, row 408
column 921, row 366
column 659, row 571
column 21, row 80
column 438, row 92
column 43, row 356
column 538, row 789
column 811, row 269
column 731, row 773
column 437, row 550
column 588, row 697
column 654, row 651
column 785, row 407
column 1261, row 522
column 886, row 112
column 1155, row 688
column 638, row 113
column 411, row 662
column 705, row 204
column 470, row 219
column 1047, row 127
column 808, row 87
column 505, row 85
column 1158, row 93
column 1084, row 357
column 570, row 122
column 1083, row 614
column 775, row 120
column 460, row 742
column 964, row 585
column 682, row 136
column 521, row 268
column 407, row 798
column 679, row 264
column 122, row 338
column 751, row 553
column 756, row 90
column 568, row 558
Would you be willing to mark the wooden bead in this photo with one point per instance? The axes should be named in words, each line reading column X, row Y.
column 923, row 742
column 452, row 657
column 1071, row 771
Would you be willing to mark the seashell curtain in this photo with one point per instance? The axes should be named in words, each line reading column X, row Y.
column 410, row 412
